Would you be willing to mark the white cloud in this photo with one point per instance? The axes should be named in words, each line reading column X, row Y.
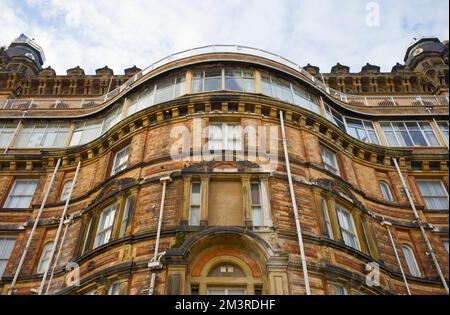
column 123, row 33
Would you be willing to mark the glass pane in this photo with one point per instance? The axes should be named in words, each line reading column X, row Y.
column 256, row 216
column 255, row 194
column 213, row 79
column 195, row 195
column 194, row 216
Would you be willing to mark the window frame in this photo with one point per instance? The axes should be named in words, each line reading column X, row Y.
column 444, row 133
column 115, row 168
column 199, row 205
column 46, row 249
column 326, row 166
column 109, row 228
column 12, row 189
column 414, row 262
column 354, row 233
column 446, row 195
column 66, row 190
column 408, row 132
column 326, row 218
column 225, row 127
column 260, row 205
column 390, row 197
column 5, row 260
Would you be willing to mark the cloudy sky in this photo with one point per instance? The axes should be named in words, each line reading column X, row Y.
column 122, row 33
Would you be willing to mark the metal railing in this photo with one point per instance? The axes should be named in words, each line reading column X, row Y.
column 25, row 104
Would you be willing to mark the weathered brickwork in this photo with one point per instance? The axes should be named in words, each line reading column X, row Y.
column 266, row 258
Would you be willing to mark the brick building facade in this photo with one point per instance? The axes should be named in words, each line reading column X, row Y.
column 91, row 164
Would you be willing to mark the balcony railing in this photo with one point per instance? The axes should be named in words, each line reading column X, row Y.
column 25, row 104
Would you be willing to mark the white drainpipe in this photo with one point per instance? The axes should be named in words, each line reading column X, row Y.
column 61, row 221
column 36, row 221
column 154, row 263
column 294, row 206
column 67, row 223
column 425, row 236
column 387, row 224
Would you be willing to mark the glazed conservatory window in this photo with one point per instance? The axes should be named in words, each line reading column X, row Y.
column 257, row 212
column 169, row 88
column 45, row 257
column 434, row 194
column 224, row 136
column 42, row 135
column 326, row 219
column 443, row 126
column 361, row 130
column 238, row 79
column 120, row 160
column 411, row 261
column 141, row 100
column 21, row 194
column 347, row 226
column 194, row 211
column 386, row 191
column 6, row 247
column 105, row 225
column 86, row 131
column 112, row 119
column 334, row 117
column 329, row 160
column 276, row 87
column 6, row 134
column 66, row 190
column 401, row 134
column 305, row 99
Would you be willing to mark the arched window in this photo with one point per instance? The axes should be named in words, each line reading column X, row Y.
column 386, row 191
column 411, row 261
column 45, row 257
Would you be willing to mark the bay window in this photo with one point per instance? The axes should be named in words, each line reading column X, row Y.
column 434, row 194
column 238, row 79
column 141, row 100
column 336, row 118
column 86, row 131
column 21, row 193
column 361, row 130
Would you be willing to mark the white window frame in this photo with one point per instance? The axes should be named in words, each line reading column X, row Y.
column 27, row 196
column 353, row 234
column 366, row 129
column 125, row 220
column 236, row 142
column 395, row 132
column 335, row 286
column 331, row 168
column 390, row 196
column 443, row 189
column 45, row 257
column 412, row 264
column 117, row 168
column 6, row 252
column 107, row 228
column 191, row 204
column 445, row 243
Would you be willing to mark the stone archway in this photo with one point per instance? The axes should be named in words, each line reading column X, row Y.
column 256, row 267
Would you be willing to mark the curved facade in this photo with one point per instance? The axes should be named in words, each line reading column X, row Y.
column 181, row 184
